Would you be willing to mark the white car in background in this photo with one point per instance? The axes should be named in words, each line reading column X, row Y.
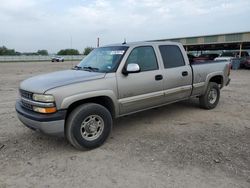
column 232, row 55
column 57, row 59
column 226, row 56
column 236, row 61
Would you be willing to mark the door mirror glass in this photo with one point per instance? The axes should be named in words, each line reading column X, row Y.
column 132, row 68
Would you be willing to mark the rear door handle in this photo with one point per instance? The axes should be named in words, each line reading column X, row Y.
column 158, row 77
column 184, row 73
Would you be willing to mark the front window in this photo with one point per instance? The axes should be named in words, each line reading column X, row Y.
column 145, row 57
column 104, row 59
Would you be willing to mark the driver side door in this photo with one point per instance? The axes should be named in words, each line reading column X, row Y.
column 142, row 90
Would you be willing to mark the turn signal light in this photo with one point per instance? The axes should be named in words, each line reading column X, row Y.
column 44, row 110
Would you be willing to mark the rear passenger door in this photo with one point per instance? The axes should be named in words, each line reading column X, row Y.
column 177, row 83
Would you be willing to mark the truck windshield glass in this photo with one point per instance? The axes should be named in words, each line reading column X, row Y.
column 104, row 59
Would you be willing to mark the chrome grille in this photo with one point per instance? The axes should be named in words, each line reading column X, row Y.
column 26, row 94
column 26, row 105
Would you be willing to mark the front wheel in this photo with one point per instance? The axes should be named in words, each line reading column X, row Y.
column 88, row 126
column 211, row 98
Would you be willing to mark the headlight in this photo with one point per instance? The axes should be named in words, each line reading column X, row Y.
column 43, row 98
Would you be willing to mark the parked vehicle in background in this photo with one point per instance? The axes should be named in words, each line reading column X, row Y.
column 246, row 63
column 243, row 59
column 226, row 56
column 243, row 54
column 235, row 60
column 114, row 81
column 191, row 58
column 57, row 59
column 232, row 55
column 205, row 57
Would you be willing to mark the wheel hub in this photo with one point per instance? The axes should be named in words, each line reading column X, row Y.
column 212, row 96
column 92, row 127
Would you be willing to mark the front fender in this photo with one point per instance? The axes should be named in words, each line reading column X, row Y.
column 81, row 96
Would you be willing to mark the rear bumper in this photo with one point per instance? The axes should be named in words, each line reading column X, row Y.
column 52, row 124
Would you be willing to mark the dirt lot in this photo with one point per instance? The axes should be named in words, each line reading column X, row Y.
column 179, row 145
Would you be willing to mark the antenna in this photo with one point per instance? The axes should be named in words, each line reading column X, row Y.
column 125, row 42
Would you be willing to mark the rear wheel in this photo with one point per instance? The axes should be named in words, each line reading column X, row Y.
column 211, row 98
column 88, row 126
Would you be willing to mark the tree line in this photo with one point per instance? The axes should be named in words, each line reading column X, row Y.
column 5, row 51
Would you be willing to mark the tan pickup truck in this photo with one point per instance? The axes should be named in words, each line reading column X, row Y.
column 113, row 81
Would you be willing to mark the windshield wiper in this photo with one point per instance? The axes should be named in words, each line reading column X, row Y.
column 76, row 68
column 90, row 68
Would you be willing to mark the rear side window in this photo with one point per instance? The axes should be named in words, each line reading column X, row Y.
column 171, row 56
column 145, row 57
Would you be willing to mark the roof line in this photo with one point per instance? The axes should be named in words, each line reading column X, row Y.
column 241, row 32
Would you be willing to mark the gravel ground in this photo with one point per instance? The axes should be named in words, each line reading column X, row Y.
column 179, row 145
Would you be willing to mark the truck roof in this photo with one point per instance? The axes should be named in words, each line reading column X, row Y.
column 141, row 43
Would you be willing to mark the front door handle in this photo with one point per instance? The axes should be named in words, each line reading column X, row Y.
column 158, row 77
column 184, row 73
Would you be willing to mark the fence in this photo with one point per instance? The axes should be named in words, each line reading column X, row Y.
column 25, row 58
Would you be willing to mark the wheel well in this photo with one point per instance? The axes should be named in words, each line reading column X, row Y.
column 102, row 100
column 217, row 79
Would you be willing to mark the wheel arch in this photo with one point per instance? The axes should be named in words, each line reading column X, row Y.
column 216, row 77
column 102, row 100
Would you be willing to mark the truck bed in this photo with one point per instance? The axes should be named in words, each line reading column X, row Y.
column 204, row 71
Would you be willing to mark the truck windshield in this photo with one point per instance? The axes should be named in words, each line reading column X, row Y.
column 104, row 59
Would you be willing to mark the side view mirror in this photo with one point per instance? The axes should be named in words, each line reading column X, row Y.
column 131, row 68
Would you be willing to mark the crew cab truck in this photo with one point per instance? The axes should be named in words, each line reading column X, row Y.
column 113, row 81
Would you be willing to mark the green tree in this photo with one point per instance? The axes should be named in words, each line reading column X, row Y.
column 87, row 50
column 42, row 52
column 68, row 52
column 6, row 51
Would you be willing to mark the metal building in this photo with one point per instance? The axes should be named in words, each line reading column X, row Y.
column 229, row 41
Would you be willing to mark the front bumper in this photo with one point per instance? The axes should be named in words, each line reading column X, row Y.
column 228, row 82
column 52, row 124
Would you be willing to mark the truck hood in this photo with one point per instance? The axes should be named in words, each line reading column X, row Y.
column 44, row 82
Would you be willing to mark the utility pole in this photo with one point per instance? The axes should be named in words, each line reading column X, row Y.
column 71, row 48
column 70, row 41
column 240, row 50
column 98, row 42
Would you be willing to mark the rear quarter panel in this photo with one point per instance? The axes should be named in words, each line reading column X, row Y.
column 202, row 73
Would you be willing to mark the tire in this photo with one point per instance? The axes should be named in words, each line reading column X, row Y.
column 212, row 96
column 88, row 126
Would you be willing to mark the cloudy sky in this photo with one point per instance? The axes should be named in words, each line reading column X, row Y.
column 29, row 25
